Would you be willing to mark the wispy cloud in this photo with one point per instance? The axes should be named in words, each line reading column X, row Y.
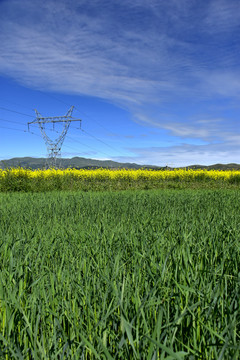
column 210, row 130
column 223, row 17
column 126, row 53
column 148, row 57
column 185, row 154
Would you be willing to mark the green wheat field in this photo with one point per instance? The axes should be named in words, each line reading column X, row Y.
column 120, row 275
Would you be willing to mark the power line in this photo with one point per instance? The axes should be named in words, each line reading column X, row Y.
column 25, row 131
column 30, row 132
column 53, row 130
column 14, row 103
column 13, row 122
column 84, row 131
column 76, row 150
column 5, row 127
column 17, row 112
column 54, row 146
column 94, row 137
column 82, row 112
column 97, row 122
column 102, row 152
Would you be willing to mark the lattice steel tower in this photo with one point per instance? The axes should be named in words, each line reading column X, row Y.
column 54, row 146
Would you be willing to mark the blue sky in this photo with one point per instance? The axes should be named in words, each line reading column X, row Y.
column 155, row 82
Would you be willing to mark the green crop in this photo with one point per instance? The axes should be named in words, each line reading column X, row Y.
column 121, row 275
column 24, row 180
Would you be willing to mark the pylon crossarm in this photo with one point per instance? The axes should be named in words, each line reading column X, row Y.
column 54, row 146
column 54, row 119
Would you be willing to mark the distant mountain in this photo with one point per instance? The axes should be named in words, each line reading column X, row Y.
column 75, row 162
column 83, row 163
column 216, row 167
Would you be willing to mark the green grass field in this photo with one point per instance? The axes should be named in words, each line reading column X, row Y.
column 120, row 275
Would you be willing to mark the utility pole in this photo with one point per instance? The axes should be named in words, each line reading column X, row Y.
column 54, row 146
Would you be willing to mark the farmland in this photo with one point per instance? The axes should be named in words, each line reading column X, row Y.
column 119, row 274
column 21, row 179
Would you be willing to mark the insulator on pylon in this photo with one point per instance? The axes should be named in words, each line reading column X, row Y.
column 54, row 146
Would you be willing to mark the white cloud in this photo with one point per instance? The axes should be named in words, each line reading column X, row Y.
column 209, row 130
column 223, row 83
column 185, row 155
column 223, row 16
column 67, row 48
column 135, row 54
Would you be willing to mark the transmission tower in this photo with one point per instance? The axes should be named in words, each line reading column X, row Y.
column 54, row 146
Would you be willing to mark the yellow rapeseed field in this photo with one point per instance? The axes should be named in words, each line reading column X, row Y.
column 26, row 179
column 179, row 174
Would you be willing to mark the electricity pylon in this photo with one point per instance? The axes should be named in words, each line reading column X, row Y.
column 54, row 146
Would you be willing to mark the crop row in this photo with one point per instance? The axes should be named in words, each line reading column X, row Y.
column 120, row 275
column 20, row 179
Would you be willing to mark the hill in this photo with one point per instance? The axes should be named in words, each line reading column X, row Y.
column 75, row 162
column 84, row 163
column 223, row 167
